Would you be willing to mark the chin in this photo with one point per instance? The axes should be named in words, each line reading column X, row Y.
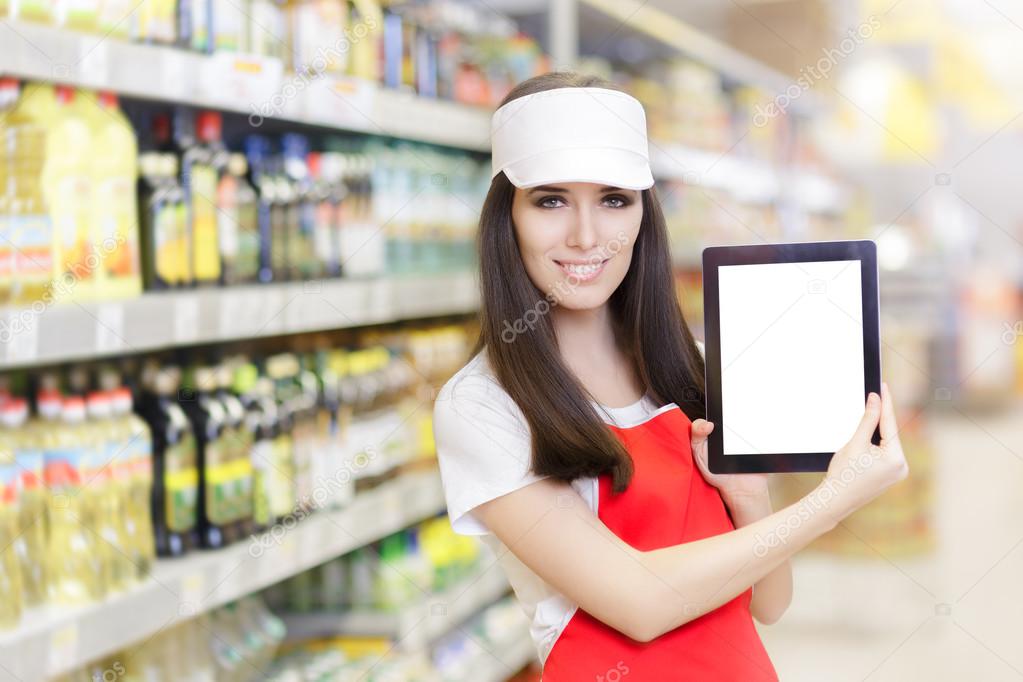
column 584, row 300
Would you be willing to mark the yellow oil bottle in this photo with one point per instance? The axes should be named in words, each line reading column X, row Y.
column 137, row 440
column 74, row 560
column 108, row 489
column 10, row 572
column 29, row 222
column 31, row 542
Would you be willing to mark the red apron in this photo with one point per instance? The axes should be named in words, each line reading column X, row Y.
column 667, row 503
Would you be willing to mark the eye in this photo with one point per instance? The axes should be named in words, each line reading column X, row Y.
column 617, row 200
column 545, row 202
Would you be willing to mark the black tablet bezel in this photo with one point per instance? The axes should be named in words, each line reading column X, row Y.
column 863, row 250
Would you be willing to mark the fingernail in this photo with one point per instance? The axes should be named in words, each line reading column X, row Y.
column 874, row 398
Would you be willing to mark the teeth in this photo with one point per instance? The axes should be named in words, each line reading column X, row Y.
column 581, row 269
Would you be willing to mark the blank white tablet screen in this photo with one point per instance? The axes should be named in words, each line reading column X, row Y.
column 791, row 356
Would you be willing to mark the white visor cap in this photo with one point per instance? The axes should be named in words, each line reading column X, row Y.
column 572, row 135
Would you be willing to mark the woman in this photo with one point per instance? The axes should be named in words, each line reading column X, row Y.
column 574, row 441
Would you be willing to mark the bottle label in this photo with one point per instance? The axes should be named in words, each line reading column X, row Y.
column 30, row 465
column 262, row 453
column 32, row 246
column 66, row 468
column 181, row 485
column 71, row 218
column 140, row 458
column 282, row 492
column 115, row 218
column 9, row 484
column 228, row 484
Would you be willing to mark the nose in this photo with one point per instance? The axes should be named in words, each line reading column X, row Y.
column 583, row 234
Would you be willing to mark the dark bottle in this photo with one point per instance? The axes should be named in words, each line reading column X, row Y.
column 305, row 263
column 238, row 223
column 239, row 439
column 257, row 153
column 284, row 221
column 175, row 472
column 218, row 513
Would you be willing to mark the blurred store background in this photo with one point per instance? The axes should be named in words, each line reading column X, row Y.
column 236, row 261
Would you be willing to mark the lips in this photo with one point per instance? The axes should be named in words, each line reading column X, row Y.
column 582, row 271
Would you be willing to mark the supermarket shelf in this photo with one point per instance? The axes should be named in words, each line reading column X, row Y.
column 502, row 661
column 414, row 627
column 748, row 180
column 678, row 35
column 159, row 320
column 255, row 86
column 57, row 640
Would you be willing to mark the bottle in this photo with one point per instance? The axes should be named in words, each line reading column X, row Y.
column 201, row 165
column 34, row 10
column 68, row 176
column 78, row 15
column 117, row 19
column 305, row 257
column 229, row 17
column 291, row 458
column 248, row 261
column 363, row 567
column 175, row 472
column 216, row 513
column 283, row 223
column 137, row 441
column 75, row 567
column 195, row 21
column 257, row 151
column 110, row 486
column 157, row 22
column 10, row 567
column 31, row 544
column 259, row 423
column 237, row 223
column 280, row 468
column 239, row 439
column 32, row 238
column 325, row 206
column 114, row 202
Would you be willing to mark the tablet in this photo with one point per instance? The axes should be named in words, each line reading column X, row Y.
column 792, row 350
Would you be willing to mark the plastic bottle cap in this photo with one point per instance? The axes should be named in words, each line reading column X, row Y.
column 209, row 125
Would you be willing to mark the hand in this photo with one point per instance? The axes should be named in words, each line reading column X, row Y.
column 734, row 488
column 861, row 471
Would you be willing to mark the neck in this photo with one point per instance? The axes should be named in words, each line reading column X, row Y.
column 584, row 335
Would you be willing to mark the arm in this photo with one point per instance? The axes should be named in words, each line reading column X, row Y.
column 640, row 594
column 645, row 594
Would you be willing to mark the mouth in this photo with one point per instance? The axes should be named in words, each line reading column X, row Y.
column 582, row 271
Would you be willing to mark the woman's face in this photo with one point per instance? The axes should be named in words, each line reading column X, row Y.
column 576, row 239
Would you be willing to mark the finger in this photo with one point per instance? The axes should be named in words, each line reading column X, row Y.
column 889, row 429
column 871, row 414
column 701, row 429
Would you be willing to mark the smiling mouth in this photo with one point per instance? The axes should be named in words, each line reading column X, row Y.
column 583, row 272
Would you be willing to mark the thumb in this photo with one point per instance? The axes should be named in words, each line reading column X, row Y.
column 701, row 430
column 871, row 416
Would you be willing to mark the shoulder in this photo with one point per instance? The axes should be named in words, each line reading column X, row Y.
column 474, row 386
column 699, row 344
column 473, row 398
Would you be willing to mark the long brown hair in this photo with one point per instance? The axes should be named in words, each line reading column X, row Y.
column 569, row 439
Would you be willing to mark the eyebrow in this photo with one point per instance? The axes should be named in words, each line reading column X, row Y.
column 552, row 188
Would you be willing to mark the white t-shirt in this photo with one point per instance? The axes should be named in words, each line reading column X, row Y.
column 485, row 451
